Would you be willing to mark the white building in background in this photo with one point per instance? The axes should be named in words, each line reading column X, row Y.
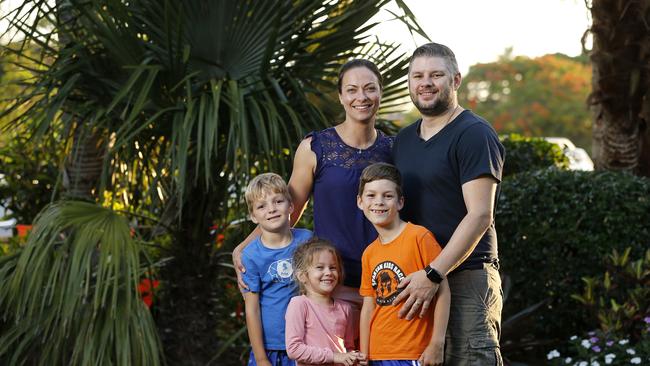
column 578, row 157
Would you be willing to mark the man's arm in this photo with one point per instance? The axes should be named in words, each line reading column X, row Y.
column 419, row 291
column 478, row 195
column 434, row 354
column 254, row 326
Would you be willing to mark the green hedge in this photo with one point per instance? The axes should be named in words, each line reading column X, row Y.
column 531, row 153
column 555, row 227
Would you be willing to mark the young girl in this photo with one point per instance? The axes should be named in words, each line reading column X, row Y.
column 319, row 328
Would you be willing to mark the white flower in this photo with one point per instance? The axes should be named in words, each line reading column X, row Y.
column 595, row 363
column 568, row 360
column 609, row 358
column 585, row 343
column 623, row 342
column 636, row 360
column 553, row 354
column 573, row 338
column 583, row 363
column 630, row 351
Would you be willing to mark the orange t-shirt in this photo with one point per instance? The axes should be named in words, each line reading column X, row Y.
column 383, row 267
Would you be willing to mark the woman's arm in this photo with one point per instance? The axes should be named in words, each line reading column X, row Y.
column 236, row 257
column 302, row 178
column 300, row 186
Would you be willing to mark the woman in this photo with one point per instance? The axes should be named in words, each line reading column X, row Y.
column 328, row 163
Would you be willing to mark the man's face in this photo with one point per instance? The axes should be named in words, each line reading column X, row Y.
column 432, row 86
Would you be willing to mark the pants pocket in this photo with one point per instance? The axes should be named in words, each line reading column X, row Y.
column 484, row 351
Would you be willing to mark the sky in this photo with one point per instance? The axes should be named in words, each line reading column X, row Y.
column 480, row 30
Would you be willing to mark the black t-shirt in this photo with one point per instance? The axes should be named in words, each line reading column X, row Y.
column 434, row 171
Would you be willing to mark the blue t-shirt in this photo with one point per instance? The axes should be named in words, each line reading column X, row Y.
column 434, row 171
column 336, row 184
column 269, row 272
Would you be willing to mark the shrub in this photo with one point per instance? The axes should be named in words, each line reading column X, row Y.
column 29, row 169
column 619, row 302
column 619, row 298
column 555, row 227
column 531, row 153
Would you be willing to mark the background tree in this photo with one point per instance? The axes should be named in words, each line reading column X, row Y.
column 620, row 99
column 29, row 167
column 181, row 103
column 534, row 97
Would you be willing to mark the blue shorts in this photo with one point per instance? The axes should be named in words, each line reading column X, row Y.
column 277, row 358
column 394, row 363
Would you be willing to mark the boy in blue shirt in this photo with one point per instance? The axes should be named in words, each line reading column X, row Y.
column 269, row 269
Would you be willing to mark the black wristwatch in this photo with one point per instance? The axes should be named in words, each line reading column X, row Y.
column 433, row 275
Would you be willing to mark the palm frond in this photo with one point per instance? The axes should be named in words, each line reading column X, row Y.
column 227, row 84
column 70, row 295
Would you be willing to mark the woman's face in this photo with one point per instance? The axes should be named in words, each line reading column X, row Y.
column 360, row 94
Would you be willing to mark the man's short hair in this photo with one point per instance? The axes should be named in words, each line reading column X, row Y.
column 379, row 171
column 437, row 50
column 262, row 185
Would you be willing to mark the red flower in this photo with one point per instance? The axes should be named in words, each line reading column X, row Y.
column 220, row 239
column 146, row 289
column 23, row 230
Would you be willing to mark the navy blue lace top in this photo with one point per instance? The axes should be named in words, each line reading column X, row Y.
column 336, row 183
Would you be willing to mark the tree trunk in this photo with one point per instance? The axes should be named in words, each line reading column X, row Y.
column 83, row 167
column 621, row 85
column 188, row 313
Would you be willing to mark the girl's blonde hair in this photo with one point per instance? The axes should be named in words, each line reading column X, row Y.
column 303, row 258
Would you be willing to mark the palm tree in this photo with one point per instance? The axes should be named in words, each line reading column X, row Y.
column 179, row 103
column 620, row 99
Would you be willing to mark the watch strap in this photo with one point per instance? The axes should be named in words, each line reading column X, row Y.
column 432, row 274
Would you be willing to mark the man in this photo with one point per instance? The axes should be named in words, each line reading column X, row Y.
column 451, row 162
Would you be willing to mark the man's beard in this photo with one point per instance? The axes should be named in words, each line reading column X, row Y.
column 440, row 106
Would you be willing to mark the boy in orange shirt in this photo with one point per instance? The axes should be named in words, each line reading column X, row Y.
column 400, row 249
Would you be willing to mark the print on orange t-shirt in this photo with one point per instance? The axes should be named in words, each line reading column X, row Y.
column 383, row 267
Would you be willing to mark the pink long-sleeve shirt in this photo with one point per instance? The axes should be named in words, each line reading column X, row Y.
column 315, row 331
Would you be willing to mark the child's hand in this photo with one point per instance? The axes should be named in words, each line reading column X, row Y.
column 363, row 358
column 349, row 358
column 433, row 355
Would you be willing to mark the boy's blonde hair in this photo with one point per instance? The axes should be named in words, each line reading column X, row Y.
column 262, row 185
column 303, row 258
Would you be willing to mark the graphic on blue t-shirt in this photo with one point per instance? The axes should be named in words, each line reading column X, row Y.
column 281, row 270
